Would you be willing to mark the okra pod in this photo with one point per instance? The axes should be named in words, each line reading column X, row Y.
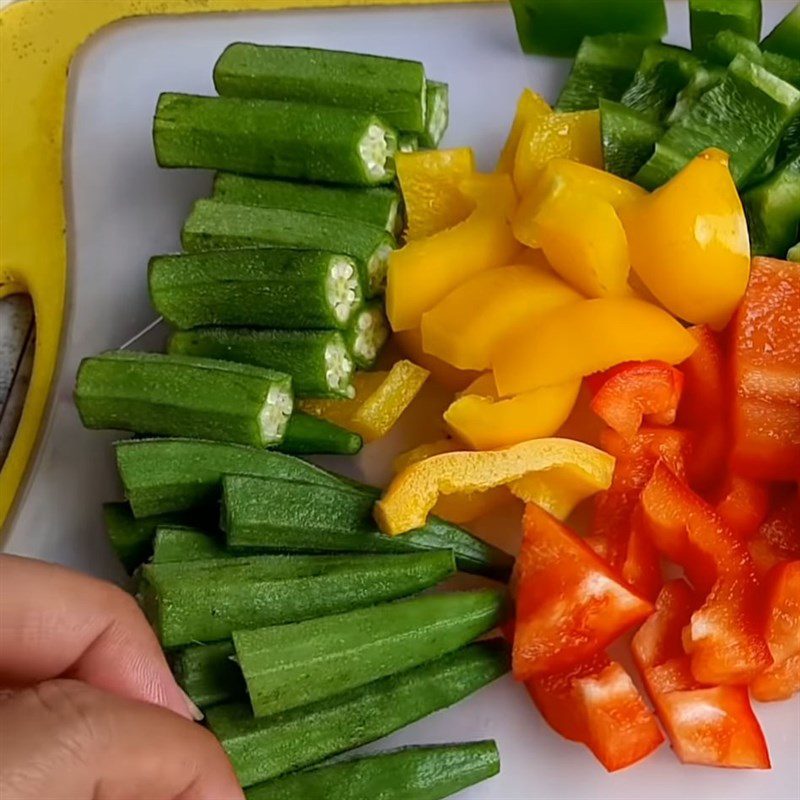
column 407, row 143
column 391, row 88
column 274, row 139
column 286, row 666
column 183, row 396
column 437, row 114
column 179, row 543
column 205, row 601
column 708, row 17
column 629, row 138
column 275, row 288
column 221, row 226
column 208, row 673
column 377, row 205
column 367, row 334
column 307, row 435
column 264, row 748
column 318, row 361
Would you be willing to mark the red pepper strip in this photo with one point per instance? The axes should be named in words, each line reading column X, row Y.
column 782, row 679
column 778, row 537
column 707, row 725
column 570, row 605
column 766, row 369
column 647, row 390
column 743, row 504
column 597, row 703
column 724, row 639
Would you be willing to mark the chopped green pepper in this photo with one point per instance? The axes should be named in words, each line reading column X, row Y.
column 703, row 79
column 628, row 138
column 708, row 17
column 785, row 37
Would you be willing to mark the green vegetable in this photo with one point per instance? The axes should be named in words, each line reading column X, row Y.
column 378, row 205
column 273, row 139
column 275, row 288
column 708, row 17
column 603, row 67
column 367, row 334
column 745, row 115
column 279, row 515
column 773, row 210
column 205, row 601
column 183, row 396
column 406, row 143
column 437, row 114
column 318, row 361
column 786, row 68
column 307, row 435
column 208, row 673
column 179, row 543
column 557, row 27
column 414, row 773
column 219, row 226
column 785, row 37
column 287, row 666
column 703, row 78
column 726, row 45
column 794, row 254
column 264, row 748
column 790, row 144
column 391, row 88
column 629, row 138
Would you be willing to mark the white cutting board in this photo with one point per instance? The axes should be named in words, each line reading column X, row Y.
column 123, row 209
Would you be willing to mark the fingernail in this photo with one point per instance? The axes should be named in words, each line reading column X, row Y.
column 194, row 711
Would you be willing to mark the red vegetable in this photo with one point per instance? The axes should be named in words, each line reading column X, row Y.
column 778, row 537
column 570, row 604
column 766, row 371
column 743, row 504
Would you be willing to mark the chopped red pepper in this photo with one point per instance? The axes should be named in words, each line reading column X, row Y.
column 570, row 604
column 766, row 371
column 743, row 504
column 647, row 390
column 778, row 537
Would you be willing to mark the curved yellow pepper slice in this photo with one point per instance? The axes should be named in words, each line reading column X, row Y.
column 587, row 337
column 426, row 270
column 429, row 180
column 531, row 107
column 414, row 492
column 688, row 242
column 464, row 328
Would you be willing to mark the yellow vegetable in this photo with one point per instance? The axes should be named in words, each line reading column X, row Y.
column 531, row 107
column 447, row 376
column 465, row 327
column 587, row 337
column 688, row 242
column 426, row 270
column 429, row 180
column 414, row 492
column 340, row 410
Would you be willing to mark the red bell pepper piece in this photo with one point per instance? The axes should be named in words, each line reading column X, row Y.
column 570, row 604
column 743, row 504
column 766, row 372
column 778, row 537
column 712, row 725
column 782, row 679
column 646, row 390
column 597, row 703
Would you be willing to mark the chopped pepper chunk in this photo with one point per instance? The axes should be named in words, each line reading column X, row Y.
column 778, row 537
column 531, row 107
column 410, row 344
column 743, row 504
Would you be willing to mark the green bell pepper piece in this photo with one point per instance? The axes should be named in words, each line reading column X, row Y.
column 773, row 210
column 785, row 37
column 629, row 138
column 708, row 17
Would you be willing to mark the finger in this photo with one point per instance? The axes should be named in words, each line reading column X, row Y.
column 59, row 623
column 69, row 740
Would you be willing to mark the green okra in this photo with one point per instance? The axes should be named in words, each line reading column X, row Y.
column 266, row 747
column 708, row 17
column 437, row 114
column 366, row 334
column 205, row 601
column 221, row 226
column 274, row 139
column 318, row 361
column 309, row 435
column 391, row 88
column 377, row 205
column 273, row 287
column 628, row 137
column 286, row 666
column 785, row 36
column 413, row 773
column 183, row 396
column 174, row 543
column 208, row 673
column 773, row 210
column 406, row 143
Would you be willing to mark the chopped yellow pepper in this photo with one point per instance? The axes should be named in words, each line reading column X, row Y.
column 559, row 490
column 573, row 135
column 688, row 242
column 447, row 376
column 486, row 423
column 381, row 397
column 414, row 492
column 531, row 107
column 464, row 328
column 587, row 337
column 426, row 270
column 430, row 182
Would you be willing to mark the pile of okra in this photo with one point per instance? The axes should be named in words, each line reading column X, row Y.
column 287, row 616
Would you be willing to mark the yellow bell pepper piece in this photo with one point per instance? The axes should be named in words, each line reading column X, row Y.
column 423, row 451
column 587, row 337
column 574, row 135
column 464, row 328
column 559, row 491
column 485, row 423
column 414, row 492
column 531, row 107
column 340, row 411
column 426, row 270
column 688, row 242
column 447, row 376
column 429, row 180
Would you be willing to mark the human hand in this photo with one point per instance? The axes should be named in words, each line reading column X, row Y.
column 91, row 710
